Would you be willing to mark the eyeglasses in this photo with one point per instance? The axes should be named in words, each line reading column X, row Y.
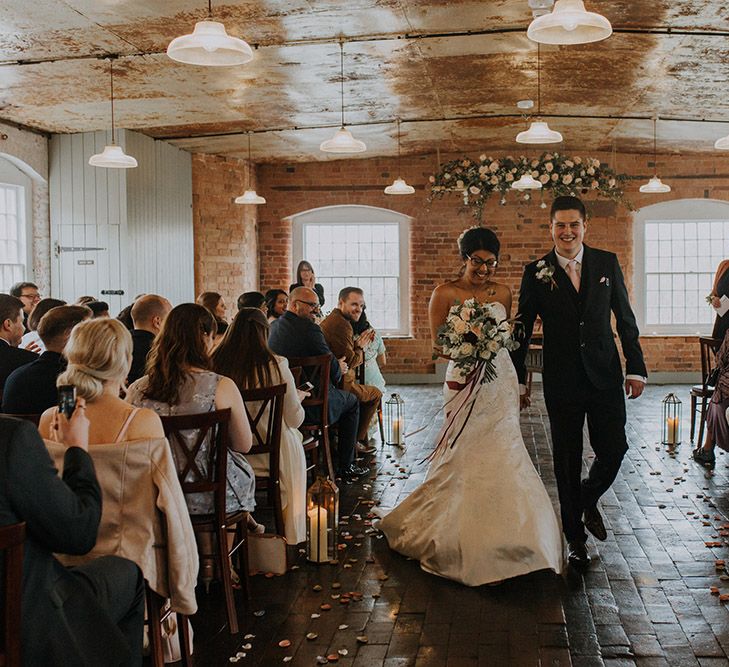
column 313, row 306
column 32, row 297
column 477, row 262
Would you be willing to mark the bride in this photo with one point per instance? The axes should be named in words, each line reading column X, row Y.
column 482, row 514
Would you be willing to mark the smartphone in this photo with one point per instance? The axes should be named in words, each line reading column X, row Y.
column 67, row 399
column 307, row 386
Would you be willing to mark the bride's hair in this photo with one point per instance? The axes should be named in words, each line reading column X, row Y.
column 478, row 238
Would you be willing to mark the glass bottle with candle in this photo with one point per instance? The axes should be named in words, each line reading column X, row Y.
column 671, row 433
column 395, row 420
column 322, row 509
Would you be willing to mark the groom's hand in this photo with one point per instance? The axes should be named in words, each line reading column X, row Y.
column 634, row 388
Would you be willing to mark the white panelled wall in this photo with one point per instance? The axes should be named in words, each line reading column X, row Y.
column 120, row 230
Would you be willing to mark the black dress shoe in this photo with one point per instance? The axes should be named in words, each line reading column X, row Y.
column 705, row 458
column 594, row 523
column 578, row 557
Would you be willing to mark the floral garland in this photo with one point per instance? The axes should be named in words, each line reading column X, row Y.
column 559, row 174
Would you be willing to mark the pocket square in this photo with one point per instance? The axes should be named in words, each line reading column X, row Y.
column 605, row 280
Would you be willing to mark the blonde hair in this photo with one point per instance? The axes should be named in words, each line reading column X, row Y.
column 98, row 351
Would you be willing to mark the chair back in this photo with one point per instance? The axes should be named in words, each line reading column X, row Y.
column 708, row 348
column 34, row 419
column 315, row 370
column 267, row 420
column 11, row 546
column 206, row 426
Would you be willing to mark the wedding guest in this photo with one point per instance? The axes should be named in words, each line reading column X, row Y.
column 296, row 334
column 180, row 381
column 305, row 278
column 244, row 356
column 99, row 353
column 337, row 329
column 252, row 300
column 31, row 389
column 125, row 314
column 100, row 309
column 375, row 356
column 276, row 303
column 85, row 300
column 11, row 333
column 215, row 303
column 78, row 616
column 148, row 314
column 29, row 295
column 720, row 289
column 31, row 340
column 717, row 424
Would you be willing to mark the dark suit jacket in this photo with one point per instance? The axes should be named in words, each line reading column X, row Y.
column 31, row 389
column 12, row 358
column 141, row 345
column 62, row 623
column 578, row 335
column 294, row 336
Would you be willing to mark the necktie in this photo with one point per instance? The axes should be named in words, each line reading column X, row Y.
column 573, row 273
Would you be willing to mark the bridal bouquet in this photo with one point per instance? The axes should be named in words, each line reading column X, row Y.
column 473, row 334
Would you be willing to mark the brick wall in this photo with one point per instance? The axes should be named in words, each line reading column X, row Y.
column 225, row 237
column 522, row 227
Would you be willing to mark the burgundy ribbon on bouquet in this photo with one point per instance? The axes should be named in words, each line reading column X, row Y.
column 466, row 393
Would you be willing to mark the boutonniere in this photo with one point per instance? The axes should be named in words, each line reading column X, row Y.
column 710, row 299
column 605, row 280
column 545, row 273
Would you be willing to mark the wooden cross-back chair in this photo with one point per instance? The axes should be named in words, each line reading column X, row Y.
column 702, row 393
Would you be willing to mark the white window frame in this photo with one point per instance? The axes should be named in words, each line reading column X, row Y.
column 352, row 214
column 12, row 177
column 679, row 210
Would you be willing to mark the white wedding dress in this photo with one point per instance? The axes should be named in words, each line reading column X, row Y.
column 482, row 514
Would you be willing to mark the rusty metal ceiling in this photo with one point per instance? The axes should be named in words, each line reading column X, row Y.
column 453, row 71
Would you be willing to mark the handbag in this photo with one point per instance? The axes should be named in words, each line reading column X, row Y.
column 266, row 553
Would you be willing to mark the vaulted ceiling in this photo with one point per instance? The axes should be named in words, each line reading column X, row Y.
column 452, row 70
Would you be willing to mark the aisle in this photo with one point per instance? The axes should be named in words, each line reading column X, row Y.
column 644, row 601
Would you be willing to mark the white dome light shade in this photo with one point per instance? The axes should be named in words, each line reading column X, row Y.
column 655, row 186
column 569, row 23
column 209, row 45
column 343, row 142
column 539, row 133
column 526, row 182
column 250, row 197
column 113, row 157
column 399, row 187
column 722, row 144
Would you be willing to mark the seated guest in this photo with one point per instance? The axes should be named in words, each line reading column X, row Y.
column 337, row 329
column 31, row 340
column 125, row 314
column 180, row 381
column 244, row 356
column 276, row 303
column 252, row 300
column 148, row 313
column 11, row 333
column 215, row 303
column 89, row 615
column 717, row 414
column 30, row 296
column 296, row 334
column 374, row 357
column 85, row 300
column 305, row 278
column 99, row 353
column 31, row 389
column 99, row 309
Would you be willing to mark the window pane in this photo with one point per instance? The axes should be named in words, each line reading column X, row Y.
column 12, row 236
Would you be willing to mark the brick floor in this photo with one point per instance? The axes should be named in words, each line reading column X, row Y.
column 644, row 601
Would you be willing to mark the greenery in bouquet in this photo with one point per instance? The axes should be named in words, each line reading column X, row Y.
column 473, row 334
column 477, row 180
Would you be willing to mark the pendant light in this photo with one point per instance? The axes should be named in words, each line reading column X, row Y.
column 539, row 132
column 249, row 196
column 113, row 156
column 526, row 182
column 655, row 185
column 569, row 23
column 209, row 45
column 342, row 141
column 399, row 186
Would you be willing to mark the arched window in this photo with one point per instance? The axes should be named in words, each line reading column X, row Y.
column 678, row 245
column 15, row 193
column 359, row 246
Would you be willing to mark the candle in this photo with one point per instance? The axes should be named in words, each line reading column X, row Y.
column 396, row 431
column 672, row 424
column 318, row 534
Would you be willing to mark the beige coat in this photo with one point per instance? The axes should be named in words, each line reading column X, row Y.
column 144, row 516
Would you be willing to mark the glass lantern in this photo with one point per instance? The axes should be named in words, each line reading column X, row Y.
column 395, row 420
column 322, row 509
column 671, row 420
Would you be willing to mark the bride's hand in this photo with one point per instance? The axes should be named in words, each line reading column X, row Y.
column 525, row 400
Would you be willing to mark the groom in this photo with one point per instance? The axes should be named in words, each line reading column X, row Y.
column 574, row 289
